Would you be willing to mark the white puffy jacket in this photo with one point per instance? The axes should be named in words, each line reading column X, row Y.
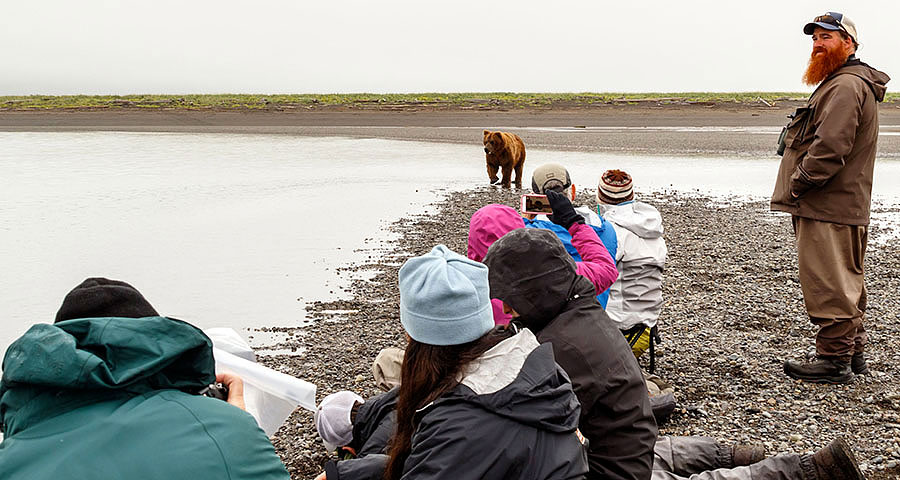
column 636, row 297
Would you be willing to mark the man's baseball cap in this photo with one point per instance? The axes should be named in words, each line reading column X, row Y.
column 550, row 176
column 833, row 21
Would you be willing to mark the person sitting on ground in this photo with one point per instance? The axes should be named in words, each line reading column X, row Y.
column 475, row 401
column 534, row 276
column 553, row 177
column 702, row 458
column 553, row 180
column 353, row 427
column 364, row 427
column 110, row 391
column 635, row 300
column 493, row 221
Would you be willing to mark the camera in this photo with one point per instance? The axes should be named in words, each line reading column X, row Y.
column 781, row 142
column 536, row 205
column 215, row 390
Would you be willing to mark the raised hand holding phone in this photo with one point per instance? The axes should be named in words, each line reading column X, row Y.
column 563, row 213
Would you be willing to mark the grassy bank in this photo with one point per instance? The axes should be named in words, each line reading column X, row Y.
column 374, row 100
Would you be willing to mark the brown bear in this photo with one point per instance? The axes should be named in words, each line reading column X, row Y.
column 506, row 152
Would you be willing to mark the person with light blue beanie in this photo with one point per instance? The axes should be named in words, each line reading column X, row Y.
column 474, row 401
column 445, row 298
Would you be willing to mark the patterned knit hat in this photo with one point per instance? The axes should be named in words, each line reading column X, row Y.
column 615, row 187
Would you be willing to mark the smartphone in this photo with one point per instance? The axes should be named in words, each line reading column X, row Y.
column 536, row 204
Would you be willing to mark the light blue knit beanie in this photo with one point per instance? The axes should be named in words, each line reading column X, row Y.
column 445, row 298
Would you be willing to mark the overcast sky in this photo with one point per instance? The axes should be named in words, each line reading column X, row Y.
column 341, row 46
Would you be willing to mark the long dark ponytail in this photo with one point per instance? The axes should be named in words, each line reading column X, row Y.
column 427, row 373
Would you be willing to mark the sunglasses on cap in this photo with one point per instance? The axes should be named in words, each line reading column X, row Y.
column 830, row 18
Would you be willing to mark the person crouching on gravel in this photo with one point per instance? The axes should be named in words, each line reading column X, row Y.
column 635, row 300
column 475, row 401
column 111, row 390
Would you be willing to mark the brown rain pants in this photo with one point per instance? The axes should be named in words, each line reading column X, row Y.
column 831, row 257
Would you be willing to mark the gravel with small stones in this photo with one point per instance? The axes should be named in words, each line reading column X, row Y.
column 733, row 313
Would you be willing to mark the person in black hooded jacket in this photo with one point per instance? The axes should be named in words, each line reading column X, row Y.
column 534, row 276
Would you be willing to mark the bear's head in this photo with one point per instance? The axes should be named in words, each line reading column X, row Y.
column 493, row 142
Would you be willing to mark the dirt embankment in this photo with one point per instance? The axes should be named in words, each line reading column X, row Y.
column 678, row 129
column 642, row 114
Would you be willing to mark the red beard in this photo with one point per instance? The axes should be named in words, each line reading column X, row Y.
column 821, row 66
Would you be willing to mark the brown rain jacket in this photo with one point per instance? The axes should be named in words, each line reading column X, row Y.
column 829, row 155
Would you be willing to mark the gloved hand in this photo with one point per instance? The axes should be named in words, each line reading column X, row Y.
column 564, row 213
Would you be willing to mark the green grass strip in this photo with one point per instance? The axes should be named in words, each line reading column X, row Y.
column 376, row 100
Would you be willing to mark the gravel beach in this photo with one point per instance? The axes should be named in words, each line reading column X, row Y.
column 733, row 309
column 733, row 313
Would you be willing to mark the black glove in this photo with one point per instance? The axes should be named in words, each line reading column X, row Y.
column 564, row 213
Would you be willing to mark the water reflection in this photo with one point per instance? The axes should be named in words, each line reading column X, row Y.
column 238, row 230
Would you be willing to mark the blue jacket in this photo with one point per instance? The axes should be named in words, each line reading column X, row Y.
column 605, row 231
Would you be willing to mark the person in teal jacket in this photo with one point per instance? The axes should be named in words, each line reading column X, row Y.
column 109, row 392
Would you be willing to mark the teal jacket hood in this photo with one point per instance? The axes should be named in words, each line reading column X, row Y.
column 55, row 368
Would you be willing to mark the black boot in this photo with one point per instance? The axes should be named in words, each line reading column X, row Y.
column 820, row 370
column 858, row 364
column 836, row 461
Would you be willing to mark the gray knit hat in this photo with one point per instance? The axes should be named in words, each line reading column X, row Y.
column 445, row 298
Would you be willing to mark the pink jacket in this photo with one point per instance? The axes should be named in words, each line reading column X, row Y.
column 493, row 221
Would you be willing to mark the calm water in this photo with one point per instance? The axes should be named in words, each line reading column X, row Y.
column 240, row 230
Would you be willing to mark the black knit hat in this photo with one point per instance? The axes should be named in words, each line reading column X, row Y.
column 101, row 297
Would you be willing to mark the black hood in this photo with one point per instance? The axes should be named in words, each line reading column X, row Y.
column 374, row 423
column 530, row 270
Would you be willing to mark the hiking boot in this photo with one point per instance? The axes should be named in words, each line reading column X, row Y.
column 836, row 461
column 858, row 364
column 662, row 407
column 820, row 370
column 743, row 455
column 662, row 397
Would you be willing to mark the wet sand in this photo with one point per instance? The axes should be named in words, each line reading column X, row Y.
column 647, row 129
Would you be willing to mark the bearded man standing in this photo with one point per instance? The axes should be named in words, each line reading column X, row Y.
column 825, row 183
